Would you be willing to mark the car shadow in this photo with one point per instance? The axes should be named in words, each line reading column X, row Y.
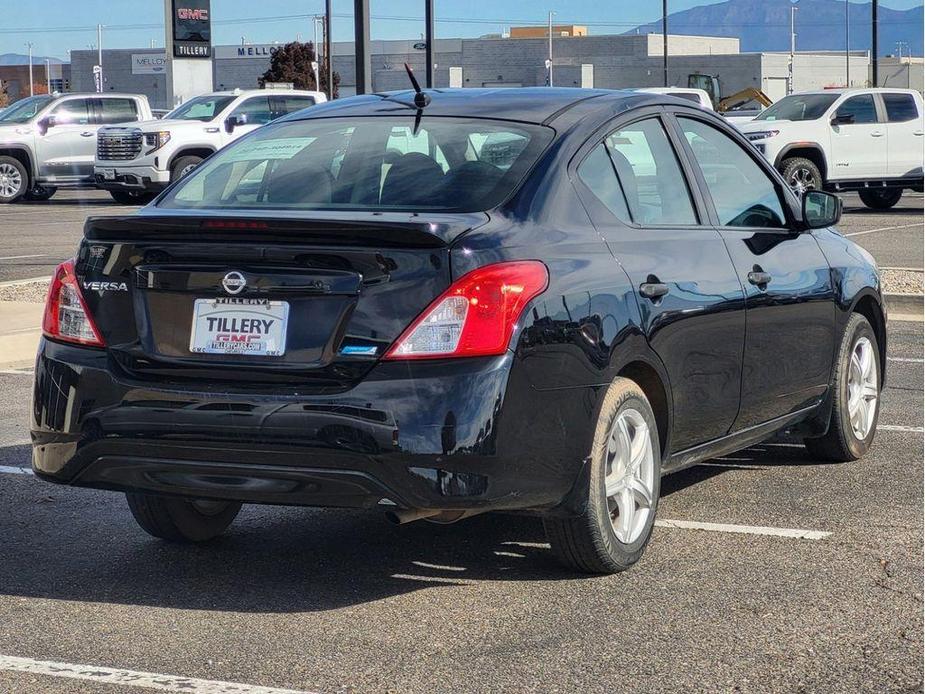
column 61, row 543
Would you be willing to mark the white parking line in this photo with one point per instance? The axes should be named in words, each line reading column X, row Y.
column 795, row 533
column 133, row 678
column 21, row 257
column 10, row 470
column 906, row 359
column 891, row 427
column 874, row 231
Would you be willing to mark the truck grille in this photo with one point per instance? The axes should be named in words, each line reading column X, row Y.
column 118, row 144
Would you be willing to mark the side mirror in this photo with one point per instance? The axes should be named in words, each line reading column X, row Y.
column 231, row 122
column 821, row 209
column 843, row 119
column 46, row 123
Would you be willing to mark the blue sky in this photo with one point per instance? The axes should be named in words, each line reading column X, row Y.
column 45, row 20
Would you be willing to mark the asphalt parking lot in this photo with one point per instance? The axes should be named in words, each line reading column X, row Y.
column 330, row 601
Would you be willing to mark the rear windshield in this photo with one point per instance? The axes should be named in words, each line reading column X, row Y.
column 799, row 107
column 376, row 163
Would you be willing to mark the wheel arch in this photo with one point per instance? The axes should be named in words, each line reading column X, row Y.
column 867, row 303
column 191, row 151
column 24, row 156
column 807, row 150
column 653, row 383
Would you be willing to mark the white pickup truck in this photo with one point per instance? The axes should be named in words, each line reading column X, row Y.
column 48, row 141
column 136, row 162
column 865, row 140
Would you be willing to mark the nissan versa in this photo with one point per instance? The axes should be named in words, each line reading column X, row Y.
column 447, row 303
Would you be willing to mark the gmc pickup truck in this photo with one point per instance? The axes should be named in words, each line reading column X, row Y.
column 864, row 140
column 135, row 162
column 48, row 141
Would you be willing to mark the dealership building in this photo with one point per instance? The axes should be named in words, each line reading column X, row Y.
column 518, row 59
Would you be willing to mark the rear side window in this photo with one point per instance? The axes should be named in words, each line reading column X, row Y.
column 649, row 174
column 283, row 105
column 255, row 109
column 367, row 163
column 118, row 111
column 72, row 112
column 743, row 194
column 597, row 172
column 860, row 107
column 900, row 107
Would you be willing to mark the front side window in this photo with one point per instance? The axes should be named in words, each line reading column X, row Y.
column 900, row 108
column 72, row 112
column 202, row 108
column 649, row 174
column 743, row 194
column 371, row 163
column 26, row 109
column 799, row 107
column 256, row 110
column 860, row 109
column 118, row 111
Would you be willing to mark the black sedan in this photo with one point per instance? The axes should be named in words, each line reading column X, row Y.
column 456, row 302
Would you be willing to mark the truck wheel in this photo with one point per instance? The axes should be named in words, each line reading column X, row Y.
column 801, row 174
column 14, row 180
column 880, row 199
column 131, row 197
column 182, row 166
column 40, row 193
column 622, row 490
column 182, row 520
column 856, row 405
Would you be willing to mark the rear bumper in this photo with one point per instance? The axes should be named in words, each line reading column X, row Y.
column 428, row 435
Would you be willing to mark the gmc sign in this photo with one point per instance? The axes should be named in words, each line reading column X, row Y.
column 192, row 29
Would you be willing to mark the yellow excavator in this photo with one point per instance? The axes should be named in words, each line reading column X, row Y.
column 710, row 85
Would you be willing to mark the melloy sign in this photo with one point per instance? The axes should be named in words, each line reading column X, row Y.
column 251, row 51
column 149, row 63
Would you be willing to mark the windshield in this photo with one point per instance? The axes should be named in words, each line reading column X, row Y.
column 203, row 108
column 24, row 110
column 799, row 107
column 384, row 163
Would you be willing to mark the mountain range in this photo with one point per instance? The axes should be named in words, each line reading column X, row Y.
column 764, row 25
column 20, row 59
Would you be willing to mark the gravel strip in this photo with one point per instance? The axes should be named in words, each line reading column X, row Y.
column 894, row 281
column 29, row 291
column 902, row 281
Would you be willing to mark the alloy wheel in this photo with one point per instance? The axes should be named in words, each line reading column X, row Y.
column 629, row 475
column 801, row 180
column 862, row 388
column 10, row 181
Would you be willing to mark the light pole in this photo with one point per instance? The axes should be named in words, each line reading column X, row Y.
column 550, row 47
column 99, row 52
column 793, row 46
column 429, row 43
column 328, row 55
column 31, row 87
column 847, row 43
column 873, row 45
column 315, row 62
column 48, row 75
column 665, row 42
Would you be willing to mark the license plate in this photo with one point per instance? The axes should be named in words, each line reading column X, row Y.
column 251, row 327
column 109, row 174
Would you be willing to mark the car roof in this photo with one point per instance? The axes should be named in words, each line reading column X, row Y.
column 854, row 90
column 525, row 104
column 249, row 92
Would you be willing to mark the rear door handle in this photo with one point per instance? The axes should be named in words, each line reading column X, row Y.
column 87, row 134
column 876, row 133
column 759, row 277
column 919, row 133
column 653, row 290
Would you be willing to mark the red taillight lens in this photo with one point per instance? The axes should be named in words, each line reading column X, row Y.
column 476, row 316
column 66, row 315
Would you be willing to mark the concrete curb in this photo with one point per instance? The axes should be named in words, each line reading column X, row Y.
column 22, row 330
column 906, row 305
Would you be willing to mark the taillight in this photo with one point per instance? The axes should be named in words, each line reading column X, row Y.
column 476, row 316
column 66, row 315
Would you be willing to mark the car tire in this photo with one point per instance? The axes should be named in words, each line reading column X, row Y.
column 182, row 166
column 181, row 520
column 856, row 389
column 40, row 193
column 603, row 539
column 880, row 199
column 131, row 197
column 801, row 174
column 14, row 180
